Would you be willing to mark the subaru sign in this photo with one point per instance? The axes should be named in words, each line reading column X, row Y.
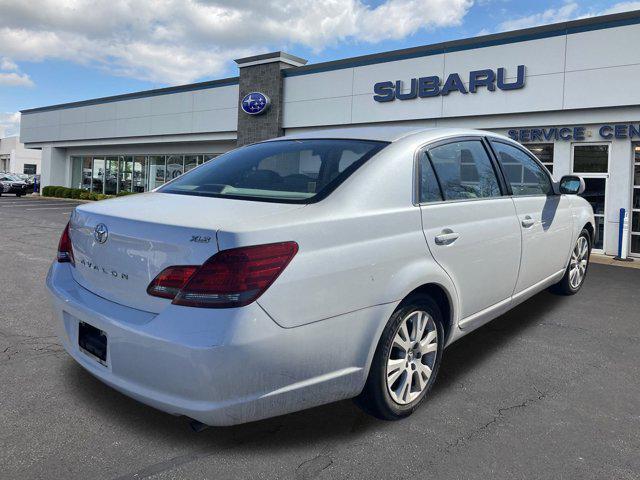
column 255, row 103
column 432, row 86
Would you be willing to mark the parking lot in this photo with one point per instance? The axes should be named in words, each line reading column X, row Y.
column 551, row 390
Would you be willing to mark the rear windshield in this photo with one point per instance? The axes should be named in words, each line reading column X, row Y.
column 292, row 171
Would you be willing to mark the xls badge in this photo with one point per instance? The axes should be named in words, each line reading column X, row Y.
column 255, row 103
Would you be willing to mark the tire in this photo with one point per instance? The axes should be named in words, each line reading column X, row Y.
column 377, row 398
column 18, row 195
column 570, row 284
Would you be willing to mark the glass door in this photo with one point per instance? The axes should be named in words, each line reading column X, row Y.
column 126, row 174
column 111, row 176
column 635, row 203
column 139, row 176
column 591, row 161
column 97, row 184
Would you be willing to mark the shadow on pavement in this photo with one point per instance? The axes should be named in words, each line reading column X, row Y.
column 340, row 420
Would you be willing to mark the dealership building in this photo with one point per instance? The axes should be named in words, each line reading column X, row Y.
column 568, row 91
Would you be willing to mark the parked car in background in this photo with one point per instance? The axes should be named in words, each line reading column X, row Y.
column 312, row 268
column 13, row 184
column 28, row 179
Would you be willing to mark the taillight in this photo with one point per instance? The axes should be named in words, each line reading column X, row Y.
column 169, row 282
column 65, row 250
column 231, row 278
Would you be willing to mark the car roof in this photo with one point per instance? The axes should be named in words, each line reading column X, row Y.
column 386, row 133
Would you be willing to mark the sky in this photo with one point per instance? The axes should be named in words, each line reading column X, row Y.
column 57, row 51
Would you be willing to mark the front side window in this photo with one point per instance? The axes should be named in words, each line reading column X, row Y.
column 522, row 172
column 544, row 153
column 292, row 171
column 464, row 170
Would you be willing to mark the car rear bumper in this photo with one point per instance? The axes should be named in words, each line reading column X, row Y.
column 218, row 366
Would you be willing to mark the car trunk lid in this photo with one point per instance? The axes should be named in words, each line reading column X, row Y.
column 121, row 245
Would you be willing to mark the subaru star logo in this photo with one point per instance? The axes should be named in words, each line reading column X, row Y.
column 255, row 103
column 101, row 233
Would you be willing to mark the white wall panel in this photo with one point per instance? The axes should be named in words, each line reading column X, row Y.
column 133, row 127
column 170, row 124
column 137, row 107
column 543, row 92
column 218, row 120
column 596, row 88
column 540, row 56
column 366, row 110
column 49, row 118
column 326, row 111
column 73, row 131
column 104, row 129
column 73, row 115
column 28, row 121
column 365, row 77
column 216, row 98
column 336, row 83
column 100, row 112
column 172, row 103
column 603, row 48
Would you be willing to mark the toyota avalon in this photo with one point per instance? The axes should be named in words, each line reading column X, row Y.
column 312, row 268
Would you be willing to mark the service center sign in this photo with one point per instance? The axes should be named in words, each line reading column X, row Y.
column 432, row 86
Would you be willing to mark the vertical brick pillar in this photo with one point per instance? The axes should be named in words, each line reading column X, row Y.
column 263, row 73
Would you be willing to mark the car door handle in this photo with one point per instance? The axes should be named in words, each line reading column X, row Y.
column 447, row 237
column 528, row 222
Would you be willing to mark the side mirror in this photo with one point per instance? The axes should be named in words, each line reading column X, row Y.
column 571, row 185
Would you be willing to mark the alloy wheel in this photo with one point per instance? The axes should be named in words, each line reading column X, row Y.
column 412, row 357
column 578, row 263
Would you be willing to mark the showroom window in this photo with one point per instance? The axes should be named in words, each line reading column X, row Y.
column 544, row 153
column 635, row 202
column 590, row 158
column 130, row 173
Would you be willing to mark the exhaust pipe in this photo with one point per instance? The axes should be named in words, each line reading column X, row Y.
column 197, row 426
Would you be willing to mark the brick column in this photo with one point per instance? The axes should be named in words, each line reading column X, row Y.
column 262, row 73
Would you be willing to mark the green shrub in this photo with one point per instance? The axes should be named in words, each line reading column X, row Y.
column 78, row 193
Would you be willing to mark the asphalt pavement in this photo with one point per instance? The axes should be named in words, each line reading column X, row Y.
column 550, row 390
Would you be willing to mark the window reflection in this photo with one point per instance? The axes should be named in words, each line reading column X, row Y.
column 130, row 173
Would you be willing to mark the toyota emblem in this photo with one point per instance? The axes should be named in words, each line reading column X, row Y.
column 101, row 233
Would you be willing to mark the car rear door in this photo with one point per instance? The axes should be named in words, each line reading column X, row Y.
column 470, row 226
column 545, row 219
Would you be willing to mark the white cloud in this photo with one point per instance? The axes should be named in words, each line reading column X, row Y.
column 9, row 123
column 6, row 64
column 176, row 41
column 621, row 7
column 11, row 76
column 13, row 79
column 551, row 15
column 569, row 11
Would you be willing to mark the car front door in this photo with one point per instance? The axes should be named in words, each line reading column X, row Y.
column 471, row 228
column 545, row 218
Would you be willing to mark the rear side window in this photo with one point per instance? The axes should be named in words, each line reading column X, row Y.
column 522, row 172
column 429, row 189
column 464, row 170
column 292, row 171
